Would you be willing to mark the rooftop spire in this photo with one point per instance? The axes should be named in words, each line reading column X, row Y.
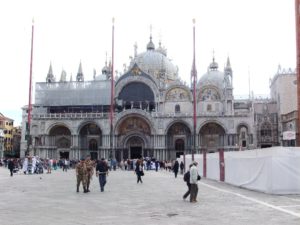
column 50, row 77
column 79, row 76
column 150, row 45
column 213, row 65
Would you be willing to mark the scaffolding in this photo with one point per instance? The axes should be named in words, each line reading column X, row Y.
column 72, row 93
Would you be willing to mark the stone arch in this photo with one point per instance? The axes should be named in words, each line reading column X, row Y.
column 59, row 136
column 81, row 125
column 243, row 133
column 89, row 130
column 211, row 121
column 209, row 93
column 212, row 136
column 178, row 131
column 139, row 125
column 120, row 85
column 57, row 125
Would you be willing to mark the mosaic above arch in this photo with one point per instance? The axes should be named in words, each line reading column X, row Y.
column 177, row 94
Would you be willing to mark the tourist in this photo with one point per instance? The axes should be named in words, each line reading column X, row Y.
column 102, row 172
column 81, row 174
column 194, row 176
column 25, row 165
column 49, row 165
column 186, row 178
column 11, row 166
column 156, row 165
column 176, row 168
column 90, row 171
column 181, row 167
column 139, row 170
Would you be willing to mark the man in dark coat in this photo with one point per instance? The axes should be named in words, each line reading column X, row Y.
column 176, row 168
column 102, row 171
column 11, row 166
column 186, row 178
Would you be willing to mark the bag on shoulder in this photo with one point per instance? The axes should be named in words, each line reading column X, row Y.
column 186, row 176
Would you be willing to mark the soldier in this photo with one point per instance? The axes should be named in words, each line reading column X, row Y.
column 81, row 174
column 90, row 171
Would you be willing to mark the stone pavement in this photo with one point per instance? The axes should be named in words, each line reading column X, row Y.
column 50, row 199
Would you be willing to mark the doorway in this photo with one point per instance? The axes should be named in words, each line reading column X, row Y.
column 64, row 155
column 179, row 147
column 94, row 155
column 135, row 152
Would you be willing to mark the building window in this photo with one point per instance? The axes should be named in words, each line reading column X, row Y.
column 177, row 108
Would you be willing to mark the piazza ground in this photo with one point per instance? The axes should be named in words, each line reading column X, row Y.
column 51, row 199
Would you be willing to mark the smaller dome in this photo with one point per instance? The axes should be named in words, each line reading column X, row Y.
column 213, row 77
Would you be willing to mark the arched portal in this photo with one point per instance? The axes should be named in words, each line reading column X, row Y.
column 60, row 137
column 135, row 144
column 178, row 140
column 90, row 138
column 212, row 137
column 134, row 138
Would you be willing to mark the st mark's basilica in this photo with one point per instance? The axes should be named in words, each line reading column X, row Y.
column 153, row 113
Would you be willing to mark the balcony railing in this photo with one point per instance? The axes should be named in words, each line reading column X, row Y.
column 68, row 115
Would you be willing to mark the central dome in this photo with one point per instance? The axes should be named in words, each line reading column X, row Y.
column 155, row 63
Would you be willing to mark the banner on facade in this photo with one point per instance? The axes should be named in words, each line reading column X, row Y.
column 289, row 135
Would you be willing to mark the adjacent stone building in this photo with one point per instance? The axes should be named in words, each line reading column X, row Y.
column 153, row 113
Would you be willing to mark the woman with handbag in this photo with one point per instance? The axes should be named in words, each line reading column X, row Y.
column 139, row 170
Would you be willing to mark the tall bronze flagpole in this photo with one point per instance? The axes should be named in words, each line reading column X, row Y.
column 194, row 73
column 111, row 115
column 30, row 94
column 297, row 19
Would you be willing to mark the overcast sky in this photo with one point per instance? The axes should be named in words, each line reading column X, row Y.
column 257, row 35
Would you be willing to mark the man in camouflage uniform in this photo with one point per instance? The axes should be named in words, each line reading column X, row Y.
column 81, row 174
column 90, row 171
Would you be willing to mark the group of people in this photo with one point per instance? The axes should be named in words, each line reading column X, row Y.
column 85, row 171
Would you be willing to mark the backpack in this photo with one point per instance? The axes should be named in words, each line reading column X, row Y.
column 186, row 176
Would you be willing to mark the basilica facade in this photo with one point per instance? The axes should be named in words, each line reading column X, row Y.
column 153, row 114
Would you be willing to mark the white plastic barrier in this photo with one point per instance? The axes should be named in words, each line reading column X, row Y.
column 274, row 170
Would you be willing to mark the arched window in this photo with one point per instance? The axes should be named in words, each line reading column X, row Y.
column 177, row 108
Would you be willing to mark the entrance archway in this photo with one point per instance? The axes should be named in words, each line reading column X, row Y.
column 178, row 140
column 212, row 137
column 60, row 136
column 90, row 137
column 135, row 144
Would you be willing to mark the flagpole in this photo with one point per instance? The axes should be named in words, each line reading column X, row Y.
column 30, row 92
column 112, row 90
column 194, row 72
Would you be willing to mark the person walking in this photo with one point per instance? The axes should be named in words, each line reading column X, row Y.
column 81, row 174
column 176, row 168
column 102, row 172
column 139, row 170
column 90, row 171
column 11, row 166
column 194, row 176
column 186, row 178
column 181, row 167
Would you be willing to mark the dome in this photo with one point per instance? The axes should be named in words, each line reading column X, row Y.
column 213, row 77
column 155, row 63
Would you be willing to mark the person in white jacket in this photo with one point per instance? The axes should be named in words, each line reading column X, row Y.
column 194, row 182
